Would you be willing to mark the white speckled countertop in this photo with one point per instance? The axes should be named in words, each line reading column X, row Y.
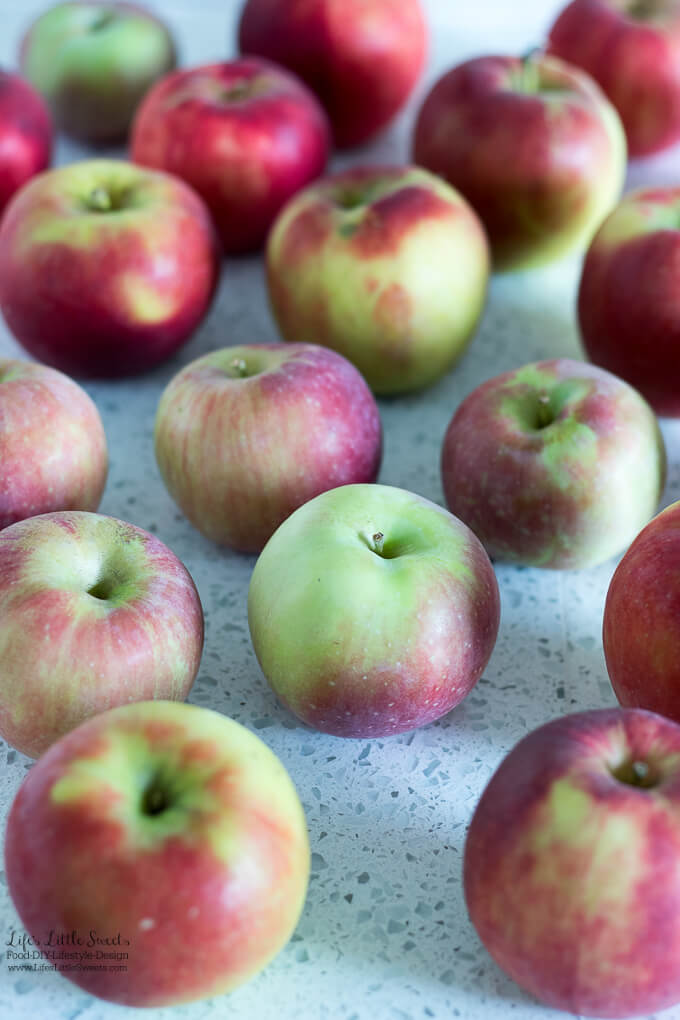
column 384, row 934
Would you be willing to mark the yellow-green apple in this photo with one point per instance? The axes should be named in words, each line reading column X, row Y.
column 167, row 838
column 245, row 134
column 571, row 870
column 387, row 265
column 94, row 613
column 245, row 435
column 25, row 134
column 632, row 48
column 52, row 445
column 106, row 268
column 534, row 146
column 372, row 611
column 641, row 626
column 93, row 60
column 361, row 57
column 555, row 464
column 628, row 304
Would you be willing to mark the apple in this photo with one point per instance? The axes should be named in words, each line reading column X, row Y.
column 25, row 134
column 555, row 464
column 533, row 145
column 245, row 134
column 245, row 435
column 628, row 305
column 361, row 57
column 93, row 60
column 570, row 866
column 52, row 445
column 372, row 611
column 632, row 49
column 641, row 626
column 106, row 268
column 94, row 613
column 388, row 266
column 165, row 836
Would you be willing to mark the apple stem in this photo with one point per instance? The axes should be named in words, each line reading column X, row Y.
column 239, row 369
column 100, row 200
column 545, row 412
column 378, row 542
column 640, row 770
column 529, row 73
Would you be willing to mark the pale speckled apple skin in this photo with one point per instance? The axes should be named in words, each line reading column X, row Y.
column 388, row 266
column 53, row 453
column 539, row 153
column 207, row 891
column 567, row 494
column 360, row 644
column 240, row 454
column 572, row 876
column 95, row 613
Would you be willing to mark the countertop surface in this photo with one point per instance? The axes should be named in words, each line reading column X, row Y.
column 384, row 934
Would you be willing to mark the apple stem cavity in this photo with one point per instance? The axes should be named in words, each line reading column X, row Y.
column 545, row 413
column 102, row 20
column 154, row 800
column 102, row 590
column 238, row 369
column 637, row 773
column 100, row 200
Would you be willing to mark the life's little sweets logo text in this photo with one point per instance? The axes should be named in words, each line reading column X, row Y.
column 66, row 950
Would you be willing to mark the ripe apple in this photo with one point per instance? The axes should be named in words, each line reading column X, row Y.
column 170, row 831
column 245, row 435
column 632, row 49
column 246, row 135
column 372, row 611
column 105, row 268
column 361, row 57
column 555, row 464
column 641, row 628
column 628, row 302
column 94, row 613
column 570, row 868
column 25, row 134
column 52, row 444
column 533, row 145
column 387, row 265
column 93, row 60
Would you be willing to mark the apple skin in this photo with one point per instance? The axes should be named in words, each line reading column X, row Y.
column 641, row 624
column 632, row 49
column 570, row 868
column 372, row 611
column 533, row 145
column 106, row 268
column 53, row 453
column 25, row 134
column 388, row 266
column 173, row 826
column 246, row 435
column 361, row 57
column 247, row 135
column 628, row 305
column 94, row 60
column 94, row 613
column 555, row 464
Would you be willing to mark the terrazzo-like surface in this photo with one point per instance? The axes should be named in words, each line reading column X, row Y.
column 384, row 934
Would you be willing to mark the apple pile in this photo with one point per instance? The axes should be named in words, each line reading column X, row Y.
column 372, row 610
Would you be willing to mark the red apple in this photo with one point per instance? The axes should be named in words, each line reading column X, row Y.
column 94, row 613
column 641, row 629
column 246, row 135
column 632, row 48
column 247, row 434
column 628, row 302
column 93, row 60
column 533, row 145
column 165, row 846
column 361, row 57
column 555, row 464
column 571, row 863
column 52, row 443
column 25, row 134
column 105, row 268
column 387, row 265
